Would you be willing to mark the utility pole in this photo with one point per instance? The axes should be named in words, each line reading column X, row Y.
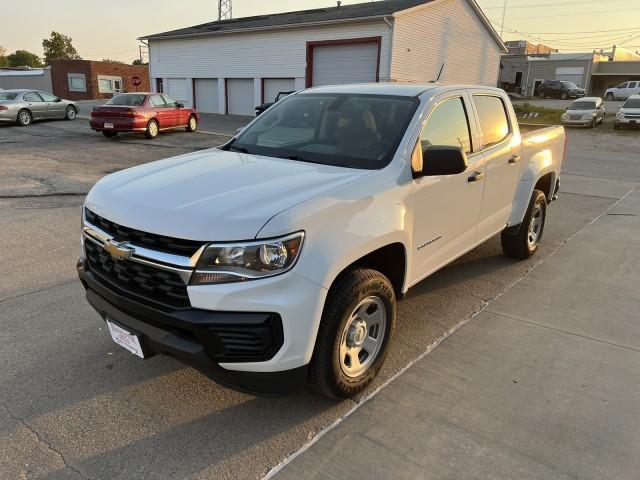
column 225, row 11
column 504, row 14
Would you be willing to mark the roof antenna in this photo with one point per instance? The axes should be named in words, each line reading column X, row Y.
column 339, row 3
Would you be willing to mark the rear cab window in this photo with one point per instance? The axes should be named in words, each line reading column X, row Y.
column 494, row 120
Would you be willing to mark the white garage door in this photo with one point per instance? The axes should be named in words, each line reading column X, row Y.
column 240, row 96
column 335, row 64
column 207, row 95
column 177, row 89
column 273, row 86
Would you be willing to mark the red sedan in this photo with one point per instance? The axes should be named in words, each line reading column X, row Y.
column 150, row 113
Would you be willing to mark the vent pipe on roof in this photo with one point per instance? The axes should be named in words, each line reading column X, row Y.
column 339, row 4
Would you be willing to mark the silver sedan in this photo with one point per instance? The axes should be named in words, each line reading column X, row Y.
column 25, row 106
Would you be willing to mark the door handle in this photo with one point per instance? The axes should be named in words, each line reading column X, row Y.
column 514, row 159
column 476, row 177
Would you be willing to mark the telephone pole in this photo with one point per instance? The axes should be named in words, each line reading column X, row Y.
column 504, row 14
column 225, row 11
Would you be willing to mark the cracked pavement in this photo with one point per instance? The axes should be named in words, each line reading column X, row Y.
column 77, row 406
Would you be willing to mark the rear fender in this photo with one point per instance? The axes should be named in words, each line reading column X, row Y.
column 530, row 178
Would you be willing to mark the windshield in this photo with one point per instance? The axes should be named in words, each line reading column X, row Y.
column 130, row 100
column 282, row 95
column 635, row 103
column 7, row 96
column 583, row 106
column 346, row 130
column 570, row 85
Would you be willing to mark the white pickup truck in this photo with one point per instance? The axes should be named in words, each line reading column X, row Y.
column 278, row 257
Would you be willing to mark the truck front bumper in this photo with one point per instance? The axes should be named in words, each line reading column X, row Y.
column 208, row 340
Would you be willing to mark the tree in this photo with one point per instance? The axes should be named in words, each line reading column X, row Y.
column 109, row 60
column 58, row 47
column 137, row 61
column 4, row 62
column 23, row 58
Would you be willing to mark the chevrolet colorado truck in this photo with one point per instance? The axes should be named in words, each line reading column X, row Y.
column 278, row 258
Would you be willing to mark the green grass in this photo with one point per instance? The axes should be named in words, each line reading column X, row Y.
column 546, row 116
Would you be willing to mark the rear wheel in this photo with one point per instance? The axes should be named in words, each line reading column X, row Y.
column 109, row 134
column 353, row 338
column 24, row 118
column 523, row 241
column 70, row 113
column 152, row 129
column 609, row 96
column 192, row 126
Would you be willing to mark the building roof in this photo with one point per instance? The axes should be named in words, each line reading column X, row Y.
column 14, row 72
column 317, row 15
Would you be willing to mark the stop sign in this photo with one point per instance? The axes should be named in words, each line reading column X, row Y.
column 135, row 81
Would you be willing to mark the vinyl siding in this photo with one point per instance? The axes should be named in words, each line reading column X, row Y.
column 277, row 53
column 445, row 32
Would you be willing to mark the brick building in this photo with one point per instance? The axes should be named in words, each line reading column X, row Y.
column 87, row 79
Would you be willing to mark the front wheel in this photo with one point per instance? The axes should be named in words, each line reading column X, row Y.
column 70, row 113
column 152, row 129
column 192, row 126
column 353, row 339
column 523, row 241
column 24, row 118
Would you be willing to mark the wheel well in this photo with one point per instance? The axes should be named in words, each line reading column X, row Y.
column 390, row 261
column 545, row 184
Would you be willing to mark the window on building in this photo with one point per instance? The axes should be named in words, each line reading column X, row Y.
column 494, row 122
column 448, row 125
column 77, row 82
column 109, row 84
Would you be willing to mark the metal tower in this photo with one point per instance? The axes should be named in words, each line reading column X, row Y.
column 224, row 10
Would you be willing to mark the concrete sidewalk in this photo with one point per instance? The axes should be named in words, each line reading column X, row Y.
column 544, row 383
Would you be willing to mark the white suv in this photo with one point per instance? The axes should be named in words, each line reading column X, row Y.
column 623, row 91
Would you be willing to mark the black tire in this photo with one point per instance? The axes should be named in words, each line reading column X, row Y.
column 24, row 118
column 109, row 134
column 70, row 113
column 609, row 96
column 353, row 287
column 192, row 124
column 541, row 94
column 153, row 129
column 564, row 95
column 515, row 240
column 594, row 123
column 616, row 126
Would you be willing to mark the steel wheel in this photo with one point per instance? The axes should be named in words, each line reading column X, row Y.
column 24, row 118
column 71, row 113
column 535, row 226
column 363, row 337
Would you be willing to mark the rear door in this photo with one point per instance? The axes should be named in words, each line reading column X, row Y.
column 55, row 109
column 36, row 104
column 164, row 114
column 446, row 207
column 503, row 162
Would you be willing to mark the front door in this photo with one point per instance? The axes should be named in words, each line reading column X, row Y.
column 164, row 113
column 178, row 114
column 55, row 108
column 446, row 207
column 503, row 162
column 36, row 105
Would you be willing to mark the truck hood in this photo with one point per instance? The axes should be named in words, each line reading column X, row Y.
column 211, row 195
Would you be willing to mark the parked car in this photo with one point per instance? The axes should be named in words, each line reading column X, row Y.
column 280, row 256
column 560, row 89
column 24, row 106
column 264, row 106
column 585, row 112
column 148, row 113
column 623, row 91
column 629, row 114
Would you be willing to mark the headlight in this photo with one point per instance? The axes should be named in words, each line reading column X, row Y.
column 239, row 262
column 619, row 115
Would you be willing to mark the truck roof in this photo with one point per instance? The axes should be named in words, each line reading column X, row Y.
column 392, row 88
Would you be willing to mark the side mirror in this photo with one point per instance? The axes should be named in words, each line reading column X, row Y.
column 179, row 105
column 443, row 160
column 58, row 100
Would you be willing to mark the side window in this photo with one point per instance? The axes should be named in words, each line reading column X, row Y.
column 448, row 125
column 623, row 85
column 169, row 101
column 633, row 84
column 156, row 101
column 47, row 97
column 494, row 122
column 32, row 97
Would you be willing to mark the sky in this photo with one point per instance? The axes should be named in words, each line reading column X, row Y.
column 109, row 29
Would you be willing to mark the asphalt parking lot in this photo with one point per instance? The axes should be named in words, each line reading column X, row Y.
column 73, row 405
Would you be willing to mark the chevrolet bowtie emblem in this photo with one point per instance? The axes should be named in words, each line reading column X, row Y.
column 118, row 250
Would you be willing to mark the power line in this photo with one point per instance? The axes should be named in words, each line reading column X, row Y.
column 573, row 14
column 555, row 4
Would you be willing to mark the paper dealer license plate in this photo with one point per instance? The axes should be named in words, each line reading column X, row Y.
column 125, row 339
